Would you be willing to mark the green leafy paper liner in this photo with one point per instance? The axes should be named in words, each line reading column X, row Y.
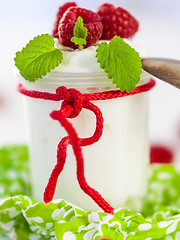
column 22, row 218
column 14, row 171
column 25, row 219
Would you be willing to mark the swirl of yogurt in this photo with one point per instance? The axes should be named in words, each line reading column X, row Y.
column 85, row 61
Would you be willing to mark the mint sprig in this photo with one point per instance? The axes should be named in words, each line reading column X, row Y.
column 80, row 33
column 38, row 58
column 121, row 62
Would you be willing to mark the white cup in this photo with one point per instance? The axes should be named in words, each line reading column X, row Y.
column 116, row 166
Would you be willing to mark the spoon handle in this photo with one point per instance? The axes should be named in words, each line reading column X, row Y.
column 167, row 70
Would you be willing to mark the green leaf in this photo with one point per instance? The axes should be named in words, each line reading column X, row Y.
column 80, row 33
column 38, row 58
column 121, row 62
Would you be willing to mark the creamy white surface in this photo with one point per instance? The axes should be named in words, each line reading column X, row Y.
column 84, row 61
column 78, row 61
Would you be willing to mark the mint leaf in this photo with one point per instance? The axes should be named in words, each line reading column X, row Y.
column 121, row 62
column 80, row 33
column 38, row 58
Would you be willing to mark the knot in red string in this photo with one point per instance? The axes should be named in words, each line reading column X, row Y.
column 73, row 98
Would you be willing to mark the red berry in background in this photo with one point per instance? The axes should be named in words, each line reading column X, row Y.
column 91, row 21
column 59, row 15
column 116, row 21
column 161, row 154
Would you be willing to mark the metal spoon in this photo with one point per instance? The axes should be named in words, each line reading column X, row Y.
column 167, row 70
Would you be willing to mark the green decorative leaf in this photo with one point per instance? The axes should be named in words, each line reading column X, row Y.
column 80, row 33
column 38, row 58
column 78, row 41
column 121, row 62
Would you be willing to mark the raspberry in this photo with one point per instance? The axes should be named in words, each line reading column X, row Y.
column 59, row 15
column 116, row 21
column 161, row 154
column 91, row 21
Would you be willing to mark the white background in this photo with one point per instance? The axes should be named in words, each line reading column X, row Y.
column 159, row 35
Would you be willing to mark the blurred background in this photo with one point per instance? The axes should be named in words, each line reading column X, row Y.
column 159, row 35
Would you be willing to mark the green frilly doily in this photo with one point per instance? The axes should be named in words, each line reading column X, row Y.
column 22, row 218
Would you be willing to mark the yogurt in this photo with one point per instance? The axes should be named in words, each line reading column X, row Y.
column 116, row 166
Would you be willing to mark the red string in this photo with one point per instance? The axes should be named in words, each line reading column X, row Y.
column 73, row 102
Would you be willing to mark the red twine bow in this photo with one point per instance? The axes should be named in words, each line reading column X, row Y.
column 73, row 102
